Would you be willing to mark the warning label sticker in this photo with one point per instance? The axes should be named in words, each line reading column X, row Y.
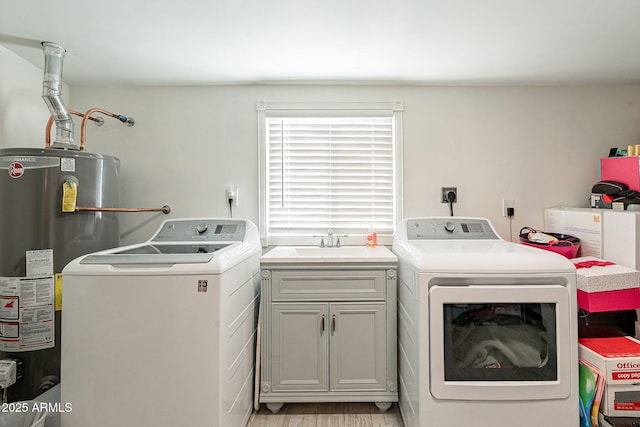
column 9, row 307
column 26, row 313
column 40, row 262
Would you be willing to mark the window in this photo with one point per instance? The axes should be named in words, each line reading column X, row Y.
column 329, row 166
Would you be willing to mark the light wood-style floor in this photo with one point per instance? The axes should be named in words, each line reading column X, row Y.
column 327, row 415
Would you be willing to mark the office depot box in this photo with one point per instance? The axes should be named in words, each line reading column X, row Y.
column 618, row 359
column 583, row 223
column 604, row 421
column 621, row 169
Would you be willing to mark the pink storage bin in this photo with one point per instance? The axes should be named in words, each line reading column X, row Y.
column 566, row 246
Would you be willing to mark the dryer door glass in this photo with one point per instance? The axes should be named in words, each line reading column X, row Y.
column 500, row 342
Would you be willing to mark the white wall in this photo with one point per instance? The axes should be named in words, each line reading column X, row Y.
column 23, row 113
column 536, row 145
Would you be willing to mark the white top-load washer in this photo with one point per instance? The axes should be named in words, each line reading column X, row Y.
column 162, row 333
column 487, row 328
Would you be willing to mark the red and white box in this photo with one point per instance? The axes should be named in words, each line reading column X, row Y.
column 618, row 359
column 606, row 286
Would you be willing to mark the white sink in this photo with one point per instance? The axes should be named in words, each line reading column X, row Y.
column 342, row 252
column 306, row 254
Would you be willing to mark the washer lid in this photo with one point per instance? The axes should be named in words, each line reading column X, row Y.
column 157, row 253
column 187, row 247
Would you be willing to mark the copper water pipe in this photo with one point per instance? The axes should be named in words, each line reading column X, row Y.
column 165, row 209
column 47, row 136
column 83, row 127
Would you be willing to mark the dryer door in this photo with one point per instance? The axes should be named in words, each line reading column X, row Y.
column 505, row 342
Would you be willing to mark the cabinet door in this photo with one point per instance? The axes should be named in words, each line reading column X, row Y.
column 299, row 359
column 358, row 346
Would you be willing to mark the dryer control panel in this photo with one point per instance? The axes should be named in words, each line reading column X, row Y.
column 450, row 228
column 201, row 230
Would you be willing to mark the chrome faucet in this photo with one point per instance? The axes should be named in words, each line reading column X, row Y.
column 322, row 241
column 327, row 241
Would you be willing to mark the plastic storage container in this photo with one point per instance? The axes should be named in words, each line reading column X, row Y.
column 567, row 245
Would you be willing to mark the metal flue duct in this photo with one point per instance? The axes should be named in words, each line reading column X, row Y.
column 51, row 93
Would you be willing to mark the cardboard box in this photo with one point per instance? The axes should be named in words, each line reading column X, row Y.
column 603, row 233
column 604, row 421
column 621, row 237
column 598, row 302
column 618, row 359
column 606, row 287
column 621, row 169
column 583, row 223
column 603, row 278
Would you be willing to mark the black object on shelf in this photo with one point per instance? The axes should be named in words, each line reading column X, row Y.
column 606, row 324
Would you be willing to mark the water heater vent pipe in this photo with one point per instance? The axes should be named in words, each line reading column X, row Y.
column 51, row 93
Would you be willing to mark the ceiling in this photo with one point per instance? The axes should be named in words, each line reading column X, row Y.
column 193, row 42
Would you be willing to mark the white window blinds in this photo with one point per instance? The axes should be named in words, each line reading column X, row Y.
column 330, row 171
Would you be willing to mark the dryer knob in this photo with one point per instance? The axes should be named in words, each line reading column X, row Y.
column 449, row 226
column 201, row 228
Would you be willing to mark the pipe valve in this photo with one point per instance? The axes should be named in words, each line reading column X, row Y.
column 129, row 121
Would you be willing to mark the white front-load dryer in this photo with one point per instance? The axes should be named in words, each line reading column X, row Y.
column 162, row 333
column 487, row 328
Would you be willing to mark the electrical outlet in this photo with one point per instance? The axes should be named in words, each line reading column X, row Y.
column 445, row 194
column 506, row 203
column 232, row 194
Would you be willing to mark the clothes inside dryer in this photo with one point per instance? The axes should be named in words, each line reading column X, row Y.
column 511, row 339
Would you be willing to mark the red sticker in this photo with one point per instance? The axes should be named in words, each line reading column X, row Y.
column 16, row 170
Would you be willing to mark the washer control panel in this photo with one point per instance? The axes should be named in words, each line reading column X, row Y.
column 204, row 229
column 450, row 228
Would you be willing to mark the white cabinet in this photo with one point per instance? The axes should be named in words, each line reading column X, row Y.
column 328, row 334
column 299, row 346
column 358, row 344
